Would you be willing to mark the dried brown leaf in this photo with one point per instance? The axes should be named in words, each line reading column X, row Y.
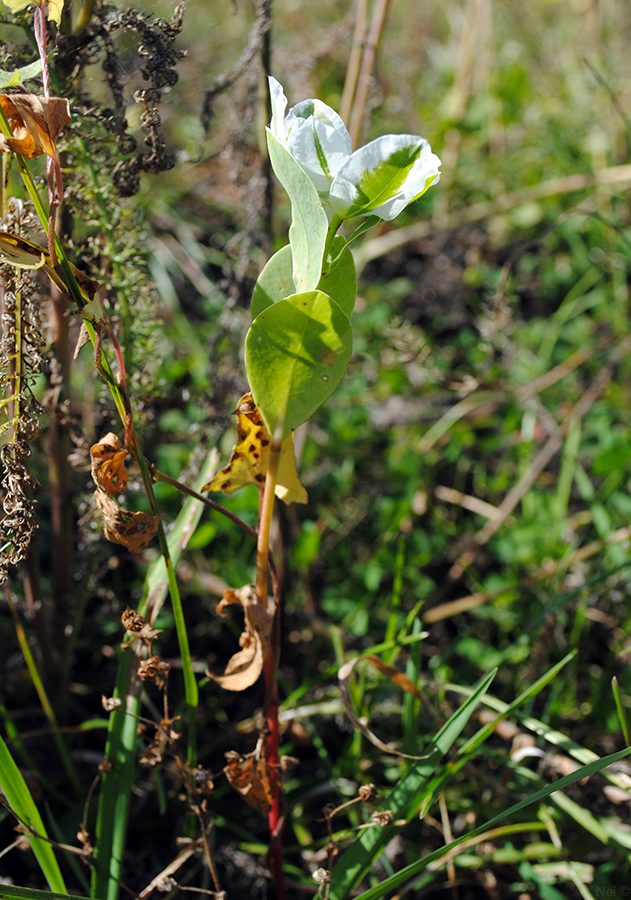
column 35, row 123
column 246, row 665
column 253, row 777
column 108, row 464
column 132, row 530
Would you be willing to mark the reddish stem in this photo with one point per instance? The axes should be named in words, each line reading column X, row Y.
column 276, row 817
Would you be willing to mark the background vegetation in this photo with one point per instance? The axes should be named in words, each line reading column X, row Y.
column 468, row 480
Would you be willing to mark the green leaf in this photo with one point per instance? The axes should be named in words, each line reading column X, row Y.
column 403, row 801
column 308, row 230
column 10, row 892
column 296, row 353
column 276, row 281
column 339, row 281
column 19, row 76
column 21, row 802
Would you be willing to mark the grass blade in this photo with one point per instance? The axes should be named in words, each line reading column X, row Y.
column 9, row 892
column 420, row 865
column 21, row 802
column 403, row 801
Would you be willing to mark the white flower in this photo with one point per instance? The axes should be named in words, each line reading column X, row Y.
column 380, row 179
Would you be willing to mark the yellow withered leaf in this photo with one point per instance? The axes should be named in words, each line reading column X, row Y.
column 250, row 457
column 54, row 7
column 35, row 123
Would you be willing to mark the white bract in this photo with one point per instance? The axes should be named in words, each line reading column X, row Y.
column 380, row 179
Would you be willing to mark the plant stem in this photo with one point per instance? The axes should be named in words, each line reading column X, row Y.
column 270, row 666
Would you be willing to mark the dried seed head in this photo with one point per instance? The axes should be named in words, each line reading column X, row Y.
column 367, row 792
column 153, row 669
column 137, row 626
column 322, row 876
column 109, row 704
column 382, row 818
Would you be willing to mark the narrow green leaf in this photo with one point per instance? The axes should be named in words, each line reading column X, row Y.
column 10, row 892
column 403, row 801
column 296, row 353
column 420, row 865
column 21, row 802
column 309, row 227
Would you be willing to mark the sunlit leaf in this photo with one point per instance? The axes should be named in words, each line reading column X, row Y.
column 133, row 530
column 309, row 226
column 339, row 280
column 253, row 777
column 276, row 281
column 16, row 251
column 296, row 353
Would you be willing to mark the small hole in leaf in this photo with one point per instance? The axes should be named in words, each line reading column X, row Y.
column 325, row 378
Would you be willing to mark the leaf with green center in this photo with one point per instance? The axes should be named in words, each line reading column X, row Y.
column 276, row 281
column 19, row 76
column 296, row 353
column 384, row 176
column 308, row 230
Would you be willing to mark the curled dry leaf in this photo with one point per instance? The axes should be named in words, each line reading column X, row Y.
column 250, row 457
column 396, row 677
column 253, row 777
column 108, row 464
column 132, row 530
column 35, row 123
column 246, row 665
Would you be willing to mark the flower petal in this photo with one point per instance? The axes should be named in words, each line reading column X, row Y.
column 384, row 177
column 279, row 105
column 320, row 149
